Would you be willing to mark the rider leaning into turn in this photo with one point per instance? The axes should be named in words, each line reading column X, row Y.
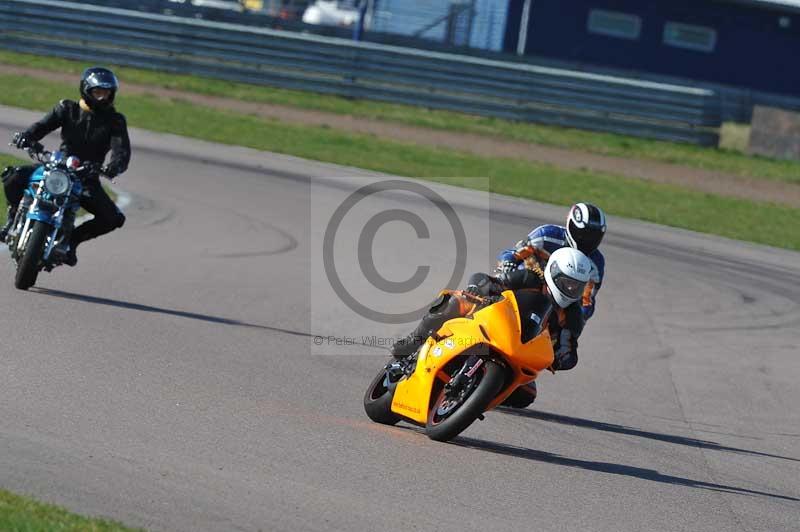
column 564, row 280
column 90, row 129
column 584, row 230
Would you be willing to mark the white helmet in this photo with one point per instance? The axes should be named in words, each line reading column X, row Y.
column 567, row 273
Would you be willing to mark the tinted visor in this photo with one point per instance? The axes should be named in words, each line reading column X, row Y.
column 572, row 288
column 587, row 239
column 102, row 80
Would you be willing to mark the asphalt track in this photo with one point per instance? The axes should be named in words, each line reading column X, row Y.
column 171, row 380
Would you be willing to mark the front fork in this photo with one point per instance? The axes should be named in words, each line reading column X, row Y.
column 58, row 225
column 397, row 369
column 59, row 217
column 24, row 232
column 466, row 372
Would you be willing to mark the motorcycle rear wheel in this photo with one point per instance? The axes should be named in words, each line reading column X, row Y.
column 378, row 400
column 446, row 423
column 28, row 265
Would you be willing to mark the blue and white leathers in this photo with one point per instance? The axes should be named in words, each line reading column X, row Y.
column 541, row 243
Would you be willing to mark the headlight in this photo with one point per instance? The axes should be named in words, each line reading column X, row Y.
column 57, row 183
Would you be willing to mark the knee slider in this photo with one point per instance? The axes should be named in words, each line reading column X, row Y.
column 8, row 171
column 119, row 220
column 566, row 362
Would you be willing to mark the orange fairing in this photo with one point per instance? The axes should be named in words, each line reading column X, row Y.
column 496, row 326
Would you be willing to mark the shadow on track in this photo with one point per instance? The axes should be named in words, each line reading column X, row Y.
column 170, row 312
column 621, row 429
column 607, row 467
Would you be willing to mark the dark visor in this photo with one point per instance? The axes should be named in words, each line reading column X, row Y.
column 572, row 288
column 588, row 239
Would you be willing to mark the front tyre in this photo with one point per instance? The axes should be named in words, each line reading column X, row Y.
column 28, row 265
column 378, row 399
column 455, row 410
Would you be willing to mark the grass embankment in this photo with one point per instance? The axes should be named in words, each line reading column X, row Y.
column 21, row 514
column 728, row 160
column 664, row 204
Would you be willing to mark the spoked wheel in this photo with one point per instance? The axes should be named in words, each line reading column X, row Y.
column 463, row 400
column 378, row 399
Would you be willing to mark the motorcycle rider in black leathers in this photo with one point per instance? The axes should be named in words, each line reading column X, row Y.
column 90, row 129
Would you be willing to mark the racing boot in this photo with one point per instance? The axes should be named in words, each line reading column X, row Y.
column 70, row 254
column 522, row 397
column 12, row 213
column 71, row 257
column 405, row 347
column 443, row 309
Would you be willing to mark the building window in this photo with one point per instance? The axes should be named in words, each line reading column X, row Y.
column 614, row 24
column 700, row 38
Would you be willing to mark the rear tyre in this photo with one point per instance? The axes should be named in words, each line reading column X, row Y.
column 378, row 400
column 28, row 265
column 449, row 415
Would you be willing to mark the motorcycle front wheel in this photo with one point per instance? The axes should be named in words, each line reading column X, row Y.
column 455, row 410
column 378, row 400
column 28, row 265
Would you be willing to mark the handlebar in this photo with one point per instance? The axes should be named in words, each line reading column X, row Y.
column 37, row 151
column 475, row 298
column 90, row 168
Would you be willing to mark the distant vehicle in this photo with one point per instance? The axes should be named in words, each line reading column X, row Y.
column 292, row 9
column 230, row 5
column 331, row 13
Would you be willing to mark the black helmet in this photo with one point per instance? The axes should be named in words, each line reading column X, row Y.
column 586, row 225
column 94, row 78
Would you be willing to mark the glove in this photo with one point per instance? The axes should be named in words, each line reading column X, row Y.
column 472, row 290
column 506, row 266
column 502, row 279
column 21, row 141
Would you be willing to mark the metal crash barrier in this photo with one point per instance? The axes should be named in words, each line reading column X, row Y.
column 362, row 70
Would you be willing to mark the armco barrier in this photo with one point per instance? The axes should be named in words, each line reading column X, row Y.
column 362, row 70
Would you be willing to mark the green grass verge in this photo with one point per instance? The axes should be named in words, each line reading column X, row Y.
column 664, row 204
column 22, row 514
column 728, row 159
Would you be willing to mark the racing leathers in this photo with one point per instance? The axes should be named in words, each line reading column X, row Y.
column 89, row 135
column 537, row 247
column 564, row 324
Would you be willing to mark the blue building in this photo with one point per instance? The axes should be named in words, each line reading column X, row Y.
column 744, row 43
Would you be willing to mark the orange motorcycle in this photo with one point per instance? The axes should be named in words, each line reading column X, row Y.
column 469, row 366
